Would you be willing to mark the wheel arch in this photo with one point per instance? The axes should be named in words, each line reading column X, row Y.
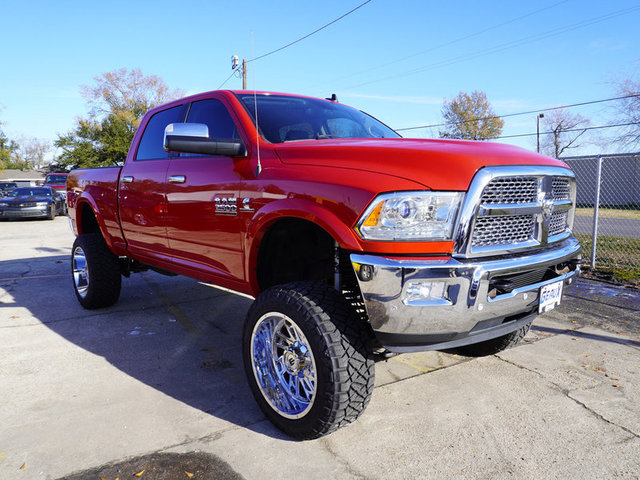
column 87, row 220
column 310, row 224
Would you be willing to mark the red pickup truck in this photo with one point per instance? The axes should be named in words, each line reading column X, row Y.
column 352, row 240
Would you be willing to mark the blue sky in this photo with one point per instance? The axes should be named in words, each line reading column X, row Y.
column 398, row 60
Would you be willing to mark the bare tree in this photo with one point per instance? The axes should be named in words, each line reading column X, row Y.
column 32, row 152
column 561, row 130
column 628, row 112
column 127, row 93
column 117, row 102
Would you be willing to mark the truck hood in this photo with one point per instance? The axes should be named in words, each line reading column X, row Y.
column 436, row 164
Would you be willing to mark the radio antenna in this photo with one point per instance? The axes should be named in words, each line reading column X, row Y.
column 255, row 111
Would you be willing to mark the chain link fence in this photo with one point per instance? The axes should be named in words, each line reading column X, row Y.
column 607, row 221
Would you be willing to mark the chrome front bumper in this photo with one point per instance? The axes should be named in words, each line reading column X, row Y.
column 416, row 304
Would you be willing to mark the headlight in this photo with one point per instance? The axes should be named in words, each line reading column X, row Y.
column 42, row 204
column 410, row 216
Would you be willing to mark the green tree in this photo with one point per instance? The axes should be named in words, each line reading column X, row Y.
column 470, row 117
column 117, row 103
column 8, row 149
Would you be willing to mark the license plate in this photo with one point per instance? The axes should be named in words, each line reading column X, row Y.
column 550, row 296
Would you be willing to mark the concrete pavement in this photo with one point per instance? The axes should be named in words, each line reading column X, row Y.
column 158, row 378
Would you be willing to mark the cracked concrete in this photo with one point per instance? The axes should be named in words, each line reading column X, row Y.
column 80, row 391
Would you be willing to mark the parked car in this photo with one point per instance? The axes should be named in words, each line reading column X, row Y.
column 57, row 181
column 6, row 188
column 25, row 202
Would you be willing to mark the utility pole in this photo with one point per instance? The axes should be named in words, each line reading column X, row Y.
column 244, row 74
column 234, row 66
column 540, row 115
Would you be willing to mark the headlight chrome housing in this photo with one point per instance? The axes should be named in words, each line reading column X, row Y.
column 410, row 216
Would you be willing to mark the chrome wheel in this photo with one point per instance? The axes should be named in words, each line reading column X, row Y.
column 80, row 272
column 283, row 365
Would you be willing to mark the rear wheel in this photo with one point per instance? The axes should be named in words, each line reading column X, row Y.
column 96, row 272
column 308, row 359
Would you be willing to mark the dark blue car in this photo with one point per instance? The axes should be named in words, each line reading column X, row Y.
column 26, row 202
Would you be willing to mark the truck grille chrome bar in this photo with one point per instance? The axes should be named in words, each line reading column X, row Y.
column 516, row 208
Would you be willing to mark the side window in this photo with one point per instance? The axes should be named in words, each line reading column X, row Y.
column 151, row 147
column 214, row 114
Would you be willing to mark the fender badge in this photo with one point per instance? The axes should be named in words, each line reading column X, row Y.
column 226, row 206
column 246, row 207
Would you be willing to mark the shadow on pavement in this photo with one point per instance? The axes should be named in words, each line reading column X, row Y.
column 585, row 335
column 174, row 334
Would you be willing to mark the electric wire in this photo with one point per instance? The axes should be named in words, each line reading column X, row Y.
column 529, row 112
column 228, row 78
column 310, row 34
column 505, row 46
column 583, row 129
column 295, row 41
column 452, row 42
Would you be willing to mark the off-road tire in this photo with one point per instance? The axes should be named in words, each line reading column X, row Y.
column 95, row 272
column 495, row 345
column 340, row 343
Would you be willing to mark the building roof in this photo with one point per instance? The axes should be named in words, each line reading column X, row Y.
column 10, row 174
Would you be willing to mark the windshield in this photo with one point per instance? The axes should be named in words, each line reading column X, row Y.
column 56, row 180
column 287, row 119
column 35, row 192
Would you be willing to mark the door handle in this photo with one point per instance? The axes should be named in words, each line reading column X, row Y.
column 177, row 179
column 126, row 179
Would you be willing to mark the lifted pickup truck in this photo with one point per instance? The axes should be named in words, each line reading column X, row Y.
column 352, row 240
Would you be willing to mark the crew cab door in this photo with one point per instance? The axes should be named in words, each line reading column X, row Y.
column 203, row 229
column 142, row 191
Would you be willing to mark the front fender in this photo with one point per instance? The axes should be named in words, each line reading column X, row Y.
column 297, row 209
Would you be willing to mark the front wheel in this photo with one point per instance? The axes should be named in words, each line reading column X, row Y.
column 96, row 272
column 308, row 359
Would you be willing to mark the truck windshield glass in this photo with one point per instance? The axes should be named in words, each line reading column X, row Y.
column 287, row 119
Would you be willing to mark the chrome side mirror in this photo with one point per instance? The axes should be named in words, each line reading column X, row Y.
column 194, row 138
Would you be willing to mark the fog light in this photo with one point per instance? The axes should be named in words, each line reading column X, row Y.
column 365, row 272
column 424, row 291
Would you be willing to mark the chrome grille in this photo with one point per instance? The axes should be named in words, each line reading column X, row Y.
column 560, row 188
column 510, row 190
column 502, row 230
column 517, row 208
column 558, row 223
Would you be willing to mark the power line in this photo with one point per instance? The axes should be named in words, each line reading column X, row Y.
column 295, row 41
column 229, row 77
column 529, row 112
column 583, row 129
column 506, row 46
column 454, row 41
column 309, row 34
